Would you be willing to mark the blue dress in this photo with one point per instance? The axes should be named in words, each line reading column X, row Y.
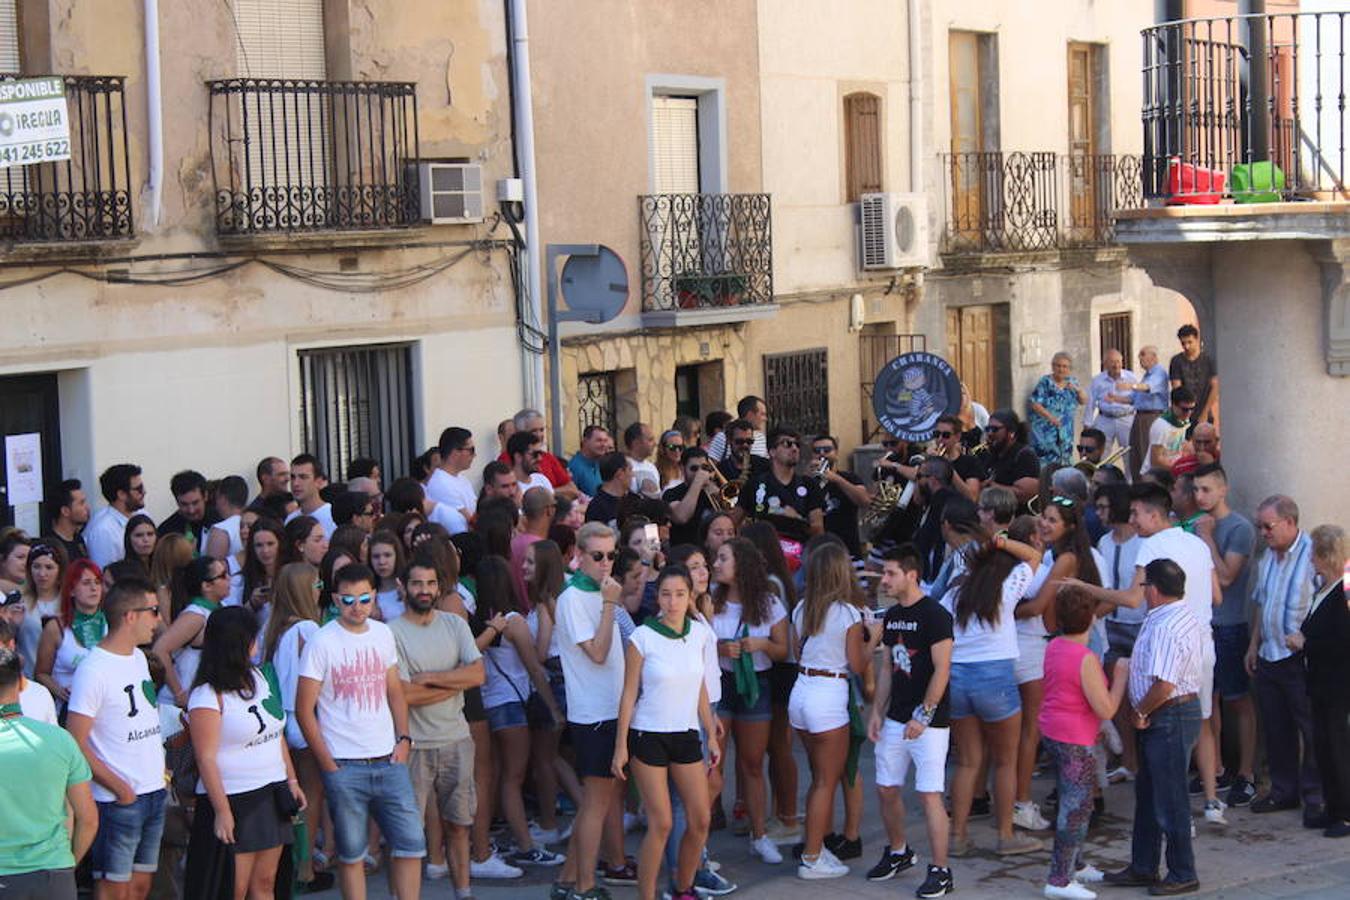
column 1053, row 445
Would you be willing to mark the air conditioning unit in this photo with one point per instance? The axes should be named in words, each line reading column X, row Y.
column 451, row 193
column 894, row 231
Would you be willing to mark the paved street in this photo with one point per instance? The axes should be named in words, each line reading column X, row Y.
column 1255, row 857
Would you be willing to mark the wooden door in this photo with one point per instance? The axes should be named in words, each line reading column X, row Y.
column 963, row 55
column 28, row 404
column 1082, row 141
column 971, row 349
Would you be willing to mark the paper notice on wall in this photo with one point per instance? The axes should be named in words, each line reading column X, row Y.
column 27, row 519
column 23, row 468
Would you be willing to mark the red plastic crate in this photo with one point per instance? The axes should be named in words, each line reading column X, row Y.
column 1192, row 185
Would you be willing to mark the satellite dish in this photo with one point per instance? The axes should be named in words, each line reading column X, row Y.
column 595, row 286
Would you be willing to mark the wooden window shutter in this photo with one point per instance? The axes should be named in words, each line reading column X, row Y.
column 675, row 145
column 862, row 144
column 9, row 37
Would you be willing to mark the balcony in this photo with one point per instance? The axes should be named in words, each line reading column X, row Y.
column 291, row 156
column 1022, row 202
column 1250, row 108
column 85, row 198
column 706, row 258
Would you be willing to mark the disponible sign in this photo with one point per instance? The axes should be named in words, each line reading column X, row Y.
column 34, row 125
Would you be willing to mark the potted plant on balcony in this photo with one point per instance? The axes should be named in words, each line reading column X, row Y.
column 699, row 291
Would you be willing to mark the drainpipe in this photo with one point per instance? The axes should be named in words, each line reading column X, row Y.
column 916, row 88
column 532, row 364
column 154, row 108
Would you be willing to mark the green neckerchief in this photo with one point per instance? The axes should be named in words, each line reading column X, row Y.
column 747, row 679
column 89, row 628
column 1172, row 420
column 857, row 732
column 471, row 583
column 10, row 710
column 661, row 628
column 583, row 582
column 329, row 614
column 203, row 603
column 1188, row 524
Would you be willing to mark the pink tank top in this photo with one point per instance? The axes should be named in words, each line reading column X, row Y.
column 1066, row 715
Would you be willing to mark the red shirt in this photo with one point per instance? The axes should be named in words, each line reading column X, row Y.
column 550, row 465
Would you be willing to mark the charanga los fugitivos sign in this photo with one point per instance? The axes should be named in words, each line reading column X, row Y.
column 912, row 391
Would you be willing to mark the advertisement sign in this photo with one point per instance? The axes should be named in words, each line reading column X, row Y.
column 34, row 123
column 912, row 391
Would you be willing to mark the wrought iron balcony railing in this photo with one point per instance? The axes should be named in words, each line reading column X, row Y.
column 1017, row 202
column 703, row 251
column 1252, row 107
column 297, row 156
column 84, row 198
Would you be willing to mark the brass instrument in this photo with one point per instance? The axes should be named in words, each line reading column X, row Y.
column 822, row 472
column 728, row 492
column 1111, row 459
column 890, row 497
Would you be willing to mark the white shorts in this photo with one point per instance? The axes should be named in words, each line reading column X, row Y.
column 818, row 704
column 1207, row 678
column 1030, row 662
column 928, row 751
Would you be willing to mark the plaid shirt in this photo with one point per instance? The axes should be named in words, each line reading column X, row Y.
column 1284, row 590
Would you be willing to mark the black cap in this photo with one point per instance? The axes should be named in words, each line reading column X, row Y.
column 1168, row 577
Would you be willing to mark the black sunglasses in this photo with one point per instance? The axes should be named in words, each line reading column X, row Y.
column 743, row 442
column 822, row 451
column 786, row 444
column 599, row 556
column 992, row 428
column 1086, row 448
column 944, row 434
column 152, row 610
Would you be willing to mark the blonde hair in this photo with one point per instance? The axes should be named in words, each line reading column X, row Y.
column 1328, row 543
column 292, row 601
column 829, row 579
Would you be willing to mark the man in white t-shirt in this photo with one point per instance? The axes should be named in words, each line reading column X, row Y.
column 448, row 484
column 124, row 489
column 114, row 719
column 1150, row 508
column 305, row 477
column 638, row 443
column 351, row 708
column 592, row 659
column 1167, row 435
column 525, row 450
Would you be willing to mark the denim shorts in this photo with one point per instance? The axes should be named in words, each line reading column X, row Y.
column 508, row 715
column 382, row 789
column 986, row 690
column 128, row 837
column 733, row 705
column 1230, row 670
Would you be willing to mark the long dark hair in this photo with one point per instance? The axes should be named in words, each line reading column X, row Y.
column 765, row 538
column 496, row 587
column 543, row 589
column 295, row 533
column 752, row 583
column 225, row 664
column 196, row 573
column 497, row 518
column 980, row 594
column 132, row 524
column 1076, row 540
column 255, row 573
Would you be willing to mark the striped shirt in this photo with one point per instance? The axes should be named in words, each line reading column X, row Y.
column 1284, row 591
column 1169, row 648
column 717, row 447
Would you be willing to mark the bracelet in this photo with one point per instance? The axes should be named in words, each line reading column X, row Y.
column 923, row 715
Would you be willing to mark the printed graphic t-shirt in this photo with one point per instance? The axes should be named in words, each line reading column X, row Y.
column 249, row 756
column 117, row 693
column 353, row 706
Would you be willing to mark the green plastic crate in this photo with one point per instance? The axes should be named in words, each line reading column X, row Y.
column 1258, row 182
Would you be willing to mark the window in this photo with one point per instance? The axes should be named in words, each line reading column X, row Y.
column 862, row 144
column 675, row 145
column 10, row 60
column 796, row 389
column 597, row 401
column 358, row 401
column 1116, row 334
column 280, row 38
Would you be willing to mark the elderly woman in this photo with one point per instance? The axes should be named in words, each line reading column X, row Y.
column 1052, row 405
column 1325, row 641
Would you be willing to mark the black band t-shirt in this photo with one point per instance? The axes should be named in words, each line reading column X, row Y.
column 910, row 633
column 688, row 533
column 841, row 514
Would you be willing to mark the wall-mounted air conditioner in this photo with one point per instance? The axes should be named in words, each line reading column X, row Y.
column 451, row 193
column 894, row 231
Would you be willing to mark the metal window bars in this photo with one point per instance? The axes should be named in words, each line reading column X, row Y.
column 294, row 155
column 701, row 251
column 86, row 197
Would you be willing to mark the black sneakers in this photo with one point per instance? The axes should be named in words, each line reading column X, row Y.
column 938, row 883
column 842, row 847
column 1241, row 793
column 891, row 864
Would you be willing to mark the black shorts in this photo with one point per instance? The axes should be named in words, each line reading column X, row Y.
column 665, row 748
column 593, row 746
column 782, row 677
column 473, row 706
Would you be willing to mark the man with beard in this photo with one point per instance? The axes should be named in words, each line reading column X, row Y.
column 967, row 470
column 845, row 493
column 437, row 662
column 780, row 494
column 124, row 489
column 1012, row 463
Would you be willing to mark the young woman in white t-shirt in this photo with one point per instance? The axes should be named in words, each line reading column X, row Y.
column 207, row 581
column 832, row 643
column 386, row 561
column 238, row 720
column 1068, row 554
column 294, row 620
column 990, row 576
column 749, row 620
column 660, row 729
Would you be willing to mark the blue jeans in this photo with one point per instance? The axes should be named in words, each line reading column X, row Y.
column 1162, row 806
column 382, row 789
column 985, row 689
column 128, row 837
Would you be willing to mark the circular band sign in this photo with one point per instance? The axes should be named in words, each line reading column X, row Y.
column 912, row 391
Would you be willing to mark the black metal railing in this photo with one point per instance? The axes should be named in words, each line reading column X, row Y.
column 1041, row 200
column 1252, row 107
column 702, row 251
column 294, row 155
column 86, row 197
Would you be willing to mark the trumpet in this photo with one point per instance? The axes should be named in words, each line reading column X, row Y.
column 822, row 472
column 727, row 492
column 1114, row 457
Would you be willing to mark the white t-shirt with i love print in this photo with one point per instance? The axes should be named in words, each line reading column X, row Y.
column 251, row 727
column 351, row 669
column 117, row 693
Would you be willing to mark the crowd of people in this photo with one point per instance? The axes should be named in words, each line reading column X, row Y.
column 463, row 676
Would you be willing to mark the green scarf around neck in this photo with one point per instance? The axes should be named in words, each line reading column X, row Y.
column 583, row 582
column 661, row 628
column 89, row 628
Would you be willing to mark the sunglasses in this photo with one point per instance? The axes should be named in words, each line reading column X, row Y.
column 788, row 444
column 350, row 599
column 944, row 434
column 1067, row 502
column 152, row 610
column 223, row 576
column 1187, row 409
column 599, row 556
column 673, row 446
column 992, row 428
column 743, row 442
column 822, row 451
column 1086, row 449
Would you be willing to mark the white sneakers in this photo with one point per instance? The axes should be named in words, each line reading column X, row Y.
column 1214, row 812
column 1089, row 875
column 764, row 847
column 435, row 872
column 826, row 865
column 1071, row 891
column 549, row 835
column 494, row 867
column 1028, row 815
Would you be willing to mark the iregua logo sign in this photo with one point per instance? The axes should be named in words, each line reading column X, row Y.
column 34, row 122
